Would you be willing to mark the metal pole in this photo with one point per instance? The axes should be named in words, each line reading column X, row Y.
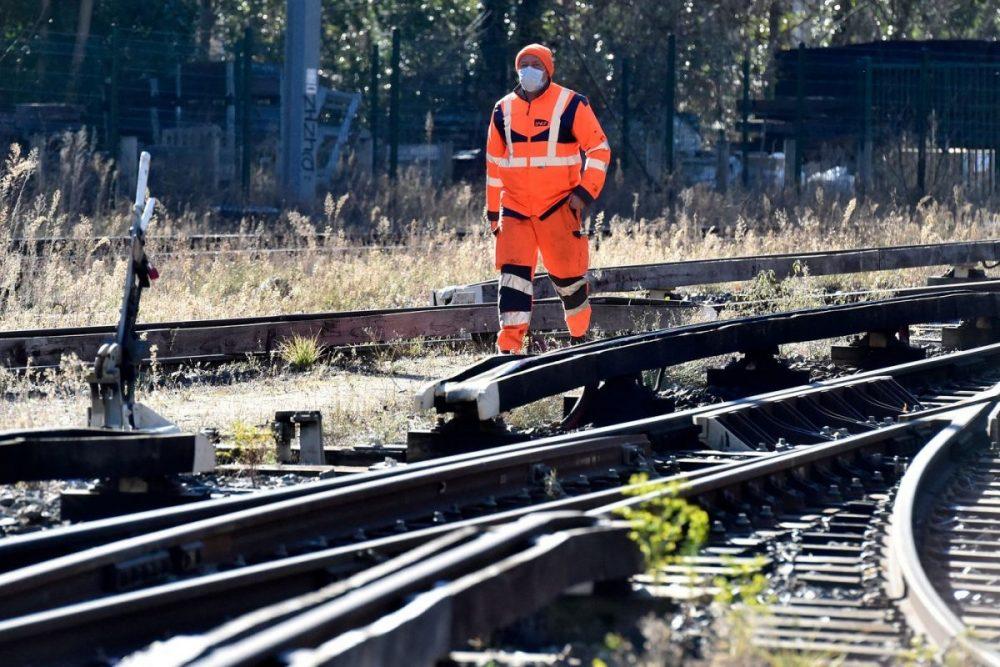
column 922, row 111
column 745, row 123
column 113, row 92
column 623, row 90
column 865, row 164
column 300, row 101
column 231, row 117
column 800, row 112
column 394, row 107
column 154, row 109
column 177, row 93
column 373, row 107
column 246, row 109
column 670, row 104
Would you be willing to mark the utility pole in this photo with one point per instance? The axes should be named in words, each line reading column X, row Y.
column 394, row 107
column 800, row 112
column 670, row 103
column 299, row 101
column 923, row 110
column 745, row 123
column 246, row 106
column 114, row 81
column 864, row 170
column 623, row 91
column 373, row 106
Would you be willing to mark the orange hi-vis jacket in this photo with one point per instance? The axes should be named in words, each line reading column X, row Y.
column 533, row 160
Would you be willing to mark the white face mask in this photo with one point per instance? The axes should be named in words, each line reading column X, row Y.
column 531, row 78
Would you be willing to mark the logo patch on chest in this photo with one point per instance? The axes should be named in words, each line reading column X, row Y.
column 541, row 122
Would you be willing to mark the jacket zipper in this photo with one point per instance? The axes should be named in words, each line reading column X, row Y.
column 528, row 114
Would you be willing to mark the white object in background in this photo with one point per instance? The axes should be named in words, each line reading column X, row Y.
column 147, row 214
column 140, row 186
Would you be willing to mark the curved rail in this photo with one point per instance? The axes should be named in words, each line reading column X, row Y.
column 926, row 611
column 662, row 430
column 124, row 620
column 22, row 550
column 492, row 389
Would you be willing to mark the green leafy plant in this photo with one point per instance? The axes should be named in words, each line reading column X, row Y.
column 664, row 526
column 744, row 584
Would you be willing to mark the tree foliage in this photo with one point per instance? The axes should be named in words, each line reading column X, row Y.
column 456, row 54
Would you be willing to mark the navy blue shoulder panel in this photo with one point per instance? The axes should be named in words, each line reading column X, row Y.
column 568, row 117
column 498, row 123
column 515, row 136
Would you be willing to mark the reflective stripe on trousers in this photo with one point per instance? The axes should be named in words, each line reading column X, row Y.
column 573, row 292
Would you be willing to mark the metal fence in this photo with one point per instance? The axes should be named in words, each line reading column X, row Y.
column 917, row 118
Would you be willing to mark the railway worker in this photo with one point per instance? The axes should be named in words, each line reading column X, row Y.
column 537, row 189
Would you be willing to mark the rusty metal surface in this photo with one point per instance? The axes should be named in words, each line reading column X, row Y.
column 522, row 381
column 669, row 275
column 228, row 339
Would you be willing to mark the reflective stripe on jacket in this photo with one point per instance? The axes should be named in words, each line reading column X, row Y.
column 533, row 160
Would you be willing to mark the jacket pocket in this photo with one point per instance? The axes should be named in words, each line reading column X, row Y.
column 574, row 221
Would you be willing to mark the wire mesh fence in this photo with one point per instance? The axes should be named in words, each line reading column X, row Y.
column 915, row 118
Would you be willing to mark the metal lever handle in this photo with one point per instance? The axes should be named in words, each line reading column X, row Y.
column 140, row 186
column 147, row 213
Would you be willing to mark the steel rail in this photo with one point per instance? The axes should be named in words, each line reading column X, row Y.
column 236, row 338
column 305, row 523
column 22, row 550
column 44, row 347
column 126, row 622
column 114, row 624
column 523, row 380
column 670, row 275
column 853, row 296
column 908, row 581
column 372, row 625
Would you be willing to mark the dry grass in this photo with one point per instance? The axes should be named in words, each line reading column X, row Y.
column 364, row 401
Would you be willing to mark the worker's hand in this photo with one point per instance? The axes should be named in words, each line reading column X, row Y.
column 577, row 204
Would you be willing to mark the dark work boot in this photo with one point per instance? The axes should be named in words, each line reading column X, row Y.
column 576, row 340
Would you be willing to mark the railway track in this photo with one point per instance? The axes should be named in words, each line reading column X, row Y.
column 813, row 516
column 867, row 499
column 329, row 546
column 112, row 621
column 666, row 276
column 483, row 392
column 220, row 340
column 482, row 580
column 461, row 311
column 666, row 433
column 944, row 549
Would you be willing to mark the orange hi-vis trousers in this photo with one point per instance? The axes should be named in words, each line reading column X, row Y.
column 565, row 253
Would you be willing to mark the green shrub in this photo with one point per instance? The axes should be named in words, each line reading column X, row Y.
column 664, row 526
